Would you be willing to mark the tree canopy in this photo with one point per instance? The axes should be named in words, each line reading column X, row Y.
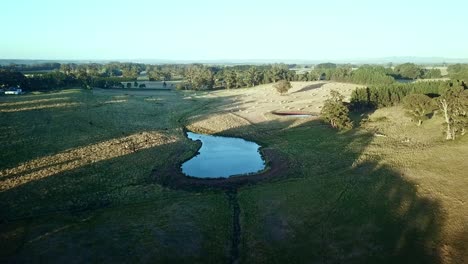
column 335, row 112
column 418, row 107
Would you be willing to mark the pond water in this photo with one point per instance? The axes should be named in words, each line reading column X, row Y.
column 222, row 157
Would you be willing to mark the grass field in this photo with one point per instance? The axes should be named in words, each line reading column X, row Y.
column 76, row 182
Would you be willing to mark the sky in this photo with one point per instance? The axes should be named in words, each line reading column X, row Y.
column 232, row 30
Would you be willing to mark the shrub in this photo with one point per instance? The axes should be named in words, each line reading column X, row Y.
column 335, row 112
column 283, row 86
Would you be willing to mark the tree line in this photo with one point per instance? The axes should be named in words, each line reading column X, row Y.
column 208, row 77
column 49, row 66
column 199, row 76
column 56, row 80
column 377, row 96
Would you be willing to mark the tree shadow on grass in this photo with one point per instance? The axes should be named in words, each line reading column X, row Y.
column 459, row 251
column 310, row 87
column 111, row 211
column 379, row 217
column 83, row 184
column 337, row 206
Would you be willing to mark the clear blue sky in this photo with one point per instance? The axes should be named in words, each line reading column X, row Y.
column 236, row 29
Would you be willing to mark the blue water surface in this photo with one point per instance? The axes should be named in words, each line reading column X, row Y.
column 221, row 157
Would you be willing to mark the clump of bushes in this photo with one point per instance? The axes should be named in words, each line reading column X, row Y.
column 282, row 86
column 335, row 111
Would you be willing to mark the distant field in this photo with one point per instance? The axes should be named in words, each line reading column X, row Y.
column 76, row 182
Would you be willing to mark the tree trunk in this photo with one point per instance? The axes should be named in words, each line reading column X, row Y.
column 419, row 122
column 444, row 105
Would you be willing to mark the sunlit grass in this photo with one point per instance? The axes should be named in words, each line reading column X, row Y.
column 47, row 166
column 39, row 107
column 2, row 104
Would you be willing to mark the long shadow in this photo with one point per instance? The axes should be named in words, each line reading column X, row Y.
column 310, row 87
column 89, row 186
column 379, row 217
column 460, row 249
column 38, row 134
column 331, row 206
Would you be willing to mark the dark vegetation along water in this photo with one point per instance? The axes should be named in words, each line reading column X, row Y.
column 222, row 157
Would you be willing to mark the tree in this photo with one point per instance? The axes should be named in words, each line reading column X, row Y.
column 409, row 71
column 371, row 75
column 129, row 71
column 327, row 65
column 199, row 77
column 158, row 75
column 432, row 74
column 454, row 105
column 230, row 79
column 460, row 119
column 12, row 78
column 458, row 71
column 418, row 107
column 313, row 75
column 282, row 86
column 253, row 76
column 335, row 112
column 279, row 72
column 66, row 68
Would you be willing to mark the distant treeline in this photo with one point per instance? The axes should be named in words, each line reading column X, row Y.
column 56, row 80
column 204, row 77
column 208, row 77
column 33, row 67
column 69, row 75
